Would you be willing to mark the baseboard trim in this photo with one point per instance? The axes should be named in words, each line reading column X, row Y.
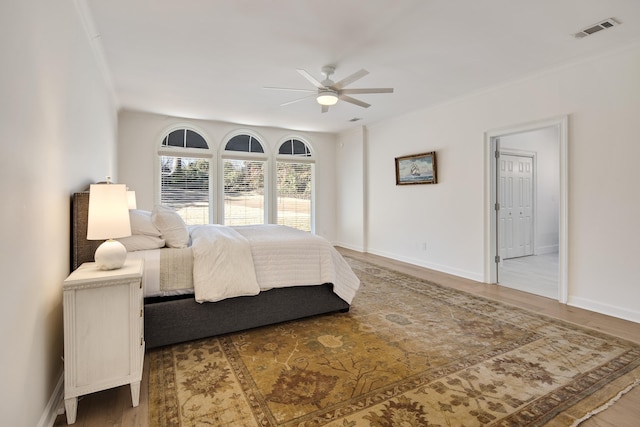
column 543, row 250
column 51, row 411
column 348, row 246
column 441, row 268
column 610, row 310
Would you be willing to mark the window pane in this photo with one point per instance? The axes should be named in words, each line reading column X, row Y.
column 244, row 143
column 294, row 194
column 295, row 147
column 243, row 192
column 300, row 148
column 195, row 140
column 255, row 146
column 176, row 138
column 286, row 148
column 185, row 187
column 238, row 143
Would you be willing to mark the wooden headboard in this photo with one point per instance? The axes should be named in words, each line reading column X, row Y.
column 82, row 250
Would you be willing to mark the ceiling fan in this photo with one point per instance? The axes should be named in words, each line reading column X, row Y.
column 327, row 92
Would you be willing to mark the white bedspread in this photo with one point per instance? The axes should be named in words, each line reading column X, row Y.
column 222, row 264
column 281, row 256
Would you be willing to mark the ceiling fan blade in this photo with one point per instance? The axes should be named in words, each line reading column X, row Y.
column 312, row 79
column 297, row 100
column 354, row 101
column 289, row 89
column 324, row 108
column 350, row 79
column 370, row 90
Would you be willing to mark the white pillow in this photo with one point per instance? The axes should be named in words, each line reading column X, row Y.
column 139, row 242
column 141, row 223
column 171, row 225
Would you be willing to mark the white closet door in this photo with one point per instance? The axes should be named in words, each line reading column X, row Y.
column 516, row 206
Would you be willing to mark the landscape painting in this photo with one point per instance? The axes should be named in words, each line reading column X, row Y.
column 416, row 169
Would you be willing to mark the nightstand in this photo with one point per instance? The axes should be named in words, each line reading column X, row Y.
column 103, row 331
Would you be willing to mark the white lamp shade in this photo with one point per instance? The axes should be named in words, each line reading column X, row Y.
column 108, row 212
column 131, row 199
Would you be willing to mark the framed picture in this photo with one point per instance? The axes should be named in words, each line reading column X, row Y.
column 416, row 169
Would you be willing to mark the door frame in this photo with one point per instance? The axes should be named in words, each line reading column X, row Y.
column 490, row 238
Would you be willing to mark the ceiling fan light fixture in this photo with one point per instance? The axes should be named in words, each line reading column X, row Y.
column 327, row 97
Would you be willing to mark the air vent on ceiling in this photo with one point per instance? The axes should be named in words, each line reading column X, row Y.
column 592, row 29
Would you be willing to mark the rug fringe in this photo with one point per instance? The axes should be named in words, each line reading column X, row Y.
column 606, row 405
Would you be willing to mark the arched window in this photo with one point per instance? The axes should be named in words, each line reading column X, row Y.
column 294, row 184
column 185, row 179
column 244, row 144
column 244, row 167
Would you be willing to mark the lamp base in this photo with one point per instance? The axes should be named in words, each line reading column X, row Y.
column 110, row 255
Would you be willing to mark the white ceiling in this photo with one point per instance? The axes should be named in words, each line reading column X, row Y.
column 210, row 59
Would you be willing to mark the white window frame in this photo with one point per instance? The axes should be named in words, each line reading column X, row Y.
column 201, row 153
column 243, row 155
column 312, row 159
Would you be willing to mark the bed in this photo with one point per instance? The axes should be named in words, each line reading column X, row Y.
column 174, row 315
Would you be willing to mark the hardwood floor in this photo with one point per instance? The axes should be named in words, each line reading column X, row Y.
column 113, row 407
column 536, row 274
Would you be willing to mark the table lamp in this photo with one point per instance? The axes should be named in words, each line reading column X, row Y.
column 108, row 219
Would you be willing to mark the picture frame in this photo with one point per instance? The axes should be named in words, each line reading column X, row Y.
column 417, row 169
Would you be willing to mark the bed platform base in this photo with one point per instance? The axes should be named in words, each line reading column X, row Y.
column 170, row 322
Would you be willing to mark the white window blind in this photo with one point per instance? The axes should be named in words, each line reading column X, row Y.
column 185, row 187
column 294, row 186
column 243, row 192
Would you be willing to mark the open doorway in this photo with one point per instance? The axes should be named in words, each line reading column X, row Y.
column 527, row 204
column 528, row 176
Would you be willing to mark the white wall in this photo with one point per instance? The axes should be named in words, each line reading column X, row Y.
column 140, row 135
column 545, row 143
column 350, row 193
column 601, row 97
column 58, row 131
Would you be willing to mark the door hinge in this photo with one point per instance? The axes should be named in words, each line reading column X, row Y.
column 497, row 259
column 497, row 154
column 497, row 206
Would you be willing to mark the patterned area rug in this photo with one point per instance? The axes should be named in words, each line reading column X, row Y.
column 409, row 353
